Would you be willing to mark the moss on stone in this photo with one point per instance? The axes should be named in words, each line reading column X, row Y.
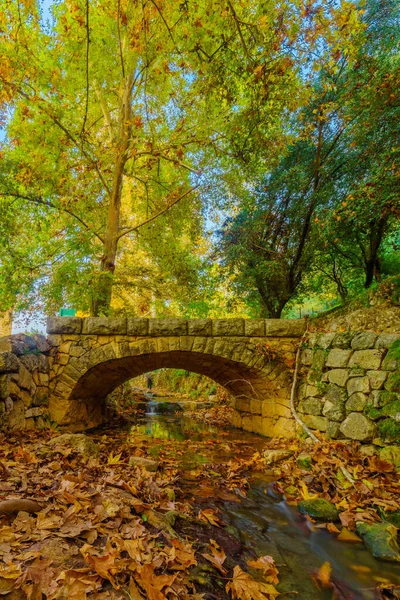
column 319, row 508
column 389, row 430
column 372, row 413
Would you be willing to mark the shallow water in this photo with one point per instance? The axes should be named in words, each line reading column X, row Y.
column 263, row 521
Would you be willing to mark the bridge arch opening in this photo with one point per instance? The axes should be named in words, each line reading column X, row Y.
column 259, row 384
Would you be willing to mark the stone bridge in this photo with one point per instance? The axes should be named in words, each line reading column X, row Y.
column 90, row 357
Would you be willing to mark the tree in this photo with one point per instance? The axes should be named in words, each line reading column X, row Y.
column 126, row 101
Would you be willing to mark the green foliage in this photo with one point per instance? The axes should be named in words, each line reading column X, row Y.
column 389, row 431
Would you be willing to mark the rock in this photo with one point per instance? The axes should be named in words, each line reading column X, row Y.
column 64, row 325
column 16, row 417
column 342, row 340
column 393, row 382
column 319, row 508
column 377, row 379
column 333, row 430
column 392, row 409
column 392, row 454
column 338, row 376
column 34, row 412
column 358, row 384
column 315, row 422
column 9, row 363
column 338, row 358
column 41, row 343
column 312, row 406
column 385, row 340
column 147, row 463
column 304, row 461
column 336, row 394
column 104, row 326
column 363, row 341
column 389, row 430
column 334, row 411
column 79, row 442
column 380, row 539
column 18, row 344
column 324, row 340
column 366, row 359
column 306, row 356
column 368, row 449
column 356, row 402
column 389, row 363
column 318, row 360
column 275, row 456
column 382, row 397
column 357, row 427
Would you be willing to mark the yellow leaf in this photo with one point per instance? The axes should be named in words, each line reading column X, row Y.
column 305, row 493
column 114, row 460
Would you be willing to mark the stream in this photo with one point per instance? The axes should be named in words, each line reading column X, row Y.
column 263, row 521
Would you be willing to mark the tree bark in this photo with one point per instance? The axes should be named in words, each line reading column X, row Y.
column 103, row 290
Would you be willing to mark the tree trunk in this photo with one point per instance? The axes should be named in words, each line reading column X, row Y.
column 103, row 291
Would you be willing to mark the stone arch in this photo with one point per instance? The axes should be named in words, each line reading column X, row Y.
column 259, row 382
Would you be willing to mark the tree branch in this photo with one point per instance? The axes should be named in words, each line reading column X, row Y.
column 87, row 67
column 161, row 212
column 49, row 204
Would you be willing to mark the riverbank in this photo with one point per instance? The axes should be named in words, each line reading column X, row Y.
column 143, row 503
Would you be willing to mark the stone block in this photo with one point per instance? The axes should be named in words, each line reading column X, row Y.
column 392, row 384
column 356, row 402
column 390, row 364
column 306, row 356
column 338, row 358
column 228, row 327
column 257, row 424
column 41, row 397
column 380, row 398
column 41, row 343
column 366, row 359
column 318, row 360
column 76, row 351
column 284, row 327
column 137, row 326
column 342, row 340
column 170, row 327
column 9, row 363
column 199, row 327
column 18, row 344
column 104, row 326
column 236, row 419
column 30, row 361
column 364, row 340
column 64, row 325
column 35, row 411
column 377, row 379
column 24, row 378
column 16, row 417
column 336, row 394
column 256, row 406
column 386, row 340
column 334, row 411
column 311, row 391
column 254, row 327
column 333, row 430
column 315, row 422
column 358, row 384
column 338, row 376
column 4, row 386
column 357, row 427
column 312, row 406
column 324, row 340
column 247, row 423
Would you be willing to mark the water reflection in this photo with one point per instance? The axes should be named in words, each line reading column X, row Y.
column 264, row 522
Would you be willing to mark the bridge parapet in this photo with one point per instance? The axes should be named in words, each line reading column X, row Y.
column 292, row 328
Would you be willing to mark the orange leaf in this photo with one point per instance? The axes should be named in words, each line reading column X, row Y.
column 244, row 587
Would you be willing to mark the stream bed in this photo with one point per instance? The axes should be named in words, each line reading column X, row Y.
column 263, row 521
